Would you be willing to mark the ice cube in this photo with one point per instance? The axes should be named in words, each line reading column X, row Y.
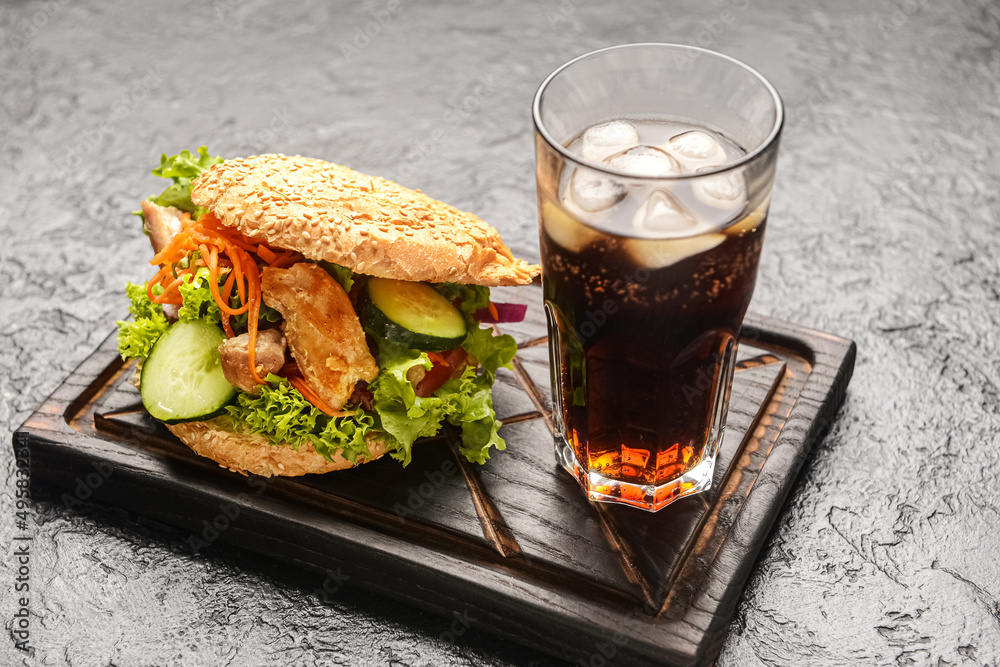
column 725, row 191
column 695, row 150
column 601, row 141
column 593, row 191
column 662, row 215
column 644, row 161
column 564, row 230
column 660, row 253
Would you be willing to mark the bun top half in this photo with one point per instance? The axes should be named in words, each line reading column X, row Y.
column 365, row 223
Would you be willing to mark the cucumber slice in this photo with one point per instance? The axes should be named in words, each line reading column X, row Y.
column 412, row 314
column 182, row 378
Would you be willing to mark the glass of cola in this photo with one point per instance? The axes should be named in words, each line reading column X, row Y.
column 655, row 164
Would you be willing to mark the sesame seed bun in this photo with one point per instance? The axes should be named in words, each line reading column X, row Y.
column 365, row 223
column 245, row 452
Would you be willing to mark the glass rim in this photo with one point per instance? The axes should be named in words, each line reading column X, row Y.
column 779, row 118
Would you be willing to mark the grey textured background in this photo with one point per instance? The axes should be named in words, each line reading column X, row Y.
column 884, row 229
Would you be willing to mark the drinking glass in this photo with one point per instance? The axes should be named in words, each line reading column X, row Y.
column 655, row 164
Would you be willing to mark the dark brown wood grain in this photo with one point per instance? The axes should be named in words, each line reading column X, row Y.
column 514, row 543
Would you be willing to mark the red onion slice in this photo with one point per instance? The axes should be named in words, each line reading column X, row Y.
column 506, row 312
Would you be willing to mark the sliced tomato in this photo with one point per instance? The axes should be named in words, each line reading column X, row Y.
column 447, row 364
column 432, row 381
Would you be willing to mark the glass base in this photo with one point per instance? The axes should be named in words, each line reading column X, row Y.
column 649, row 497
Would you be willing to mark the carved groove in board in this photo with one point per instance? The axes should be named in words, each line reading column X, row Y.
column 129, row 410
column 750, row 434
column 495, row 529
column 769, row 424
column 526, row 417
column 627, row 558
column 534, row 342
column 532, row 390
column 757, row 362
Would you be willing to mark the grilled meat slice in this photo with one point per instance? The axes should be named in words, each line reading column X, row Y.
column 322, row 330
column 269, row 357
column 162, row 223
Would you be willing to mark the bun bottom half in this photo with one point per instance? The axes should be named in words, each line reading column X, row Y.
column 245, row 452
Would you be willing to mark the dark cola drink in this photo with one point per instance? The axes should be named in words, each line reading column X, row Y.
column 650, row 251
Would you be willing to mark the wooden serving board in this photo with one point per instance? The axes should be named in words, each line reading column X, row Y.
column 515, row 542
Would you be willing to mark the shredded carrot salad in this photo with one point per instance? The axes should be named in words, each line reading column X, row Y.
column 225, row 251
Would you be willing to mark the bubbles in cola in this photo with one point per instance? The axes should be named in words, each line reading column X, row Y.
column 644, row 161
column 606, row 139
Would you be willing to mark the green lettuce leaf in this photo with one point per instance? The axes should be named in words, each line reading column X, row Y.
column 471, row 298
column 402, row 414
column 182, row 169
column 466, row 402
column 136, row 338
column 341, row 274
column 198, row 300
column 281, row 414
column 492, row 352
column 470, row 407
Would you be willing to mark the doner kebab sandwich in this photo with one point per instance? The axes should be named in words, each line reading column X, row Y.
column 306, row 318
